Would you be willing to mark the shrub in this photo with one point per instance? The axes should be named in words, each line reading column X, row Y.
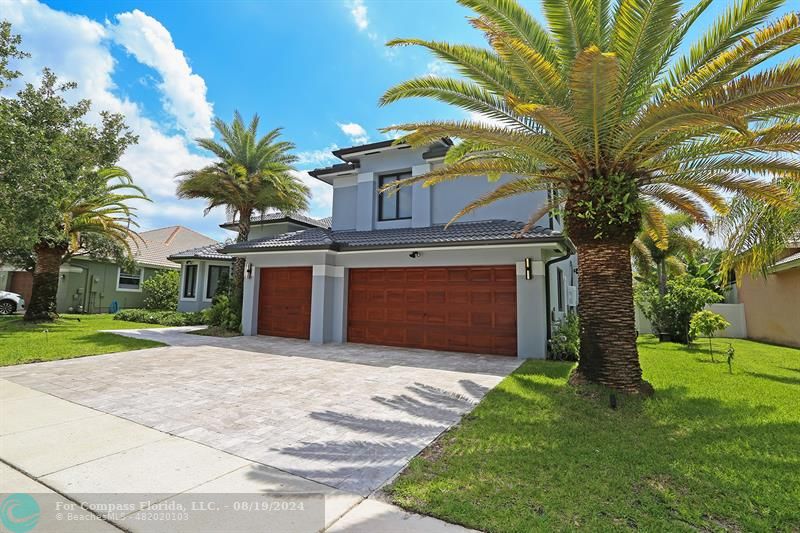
column 707, row 323
column 565, row 343
column 164, row 318
column 161, row 291
column 221, row 315
column 671, row 315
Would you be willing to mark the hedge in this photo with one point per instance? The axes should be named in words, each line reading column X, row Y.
column 164, row 318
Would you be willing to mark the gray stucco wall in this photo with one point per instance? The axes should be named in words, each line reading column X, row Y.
column 199, row 302
column 355, row 204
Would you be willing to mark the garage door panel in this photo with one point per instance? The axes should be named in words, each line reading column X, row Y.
column 469, row 309
column 284, row 307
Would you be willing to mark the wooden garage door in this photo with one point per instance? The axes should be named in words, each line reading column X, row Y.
column 465, row 309
column 284, row 304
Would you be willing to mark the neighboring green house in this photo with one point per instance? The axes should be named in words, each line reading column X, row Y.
column 92, row 286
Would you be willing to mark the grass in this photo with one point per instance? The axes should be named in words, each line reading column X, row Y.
column 711, row 451
column 69, row 336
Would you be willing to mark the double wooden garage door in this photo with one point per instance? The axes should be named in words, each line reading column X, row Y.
column 464, row 309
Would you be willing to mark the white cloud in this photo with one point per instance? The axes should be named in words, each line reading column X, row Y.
column 184, row 93
column 83, row 54
column 356, row 132
column 318, row 157
column 438, row 68
column 321, row 201
column 359, row 13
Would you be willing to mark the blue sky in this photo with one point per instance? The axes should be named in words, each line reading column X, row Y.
column 315, row 68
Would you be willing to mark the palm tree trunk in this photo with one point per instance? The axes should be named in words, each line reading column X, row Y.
column 237, row 282
column 661, row 268
column 45, row 282
column 608, row 354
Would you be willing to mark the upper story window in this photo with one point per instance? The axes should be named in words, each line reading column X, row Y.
column 396, row 206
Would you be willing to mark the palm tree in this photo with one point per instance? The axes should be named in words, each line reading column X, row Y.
column 651, row 250
column 98, row 206
column 594, row 107
column 252, row 175
column 756, row 234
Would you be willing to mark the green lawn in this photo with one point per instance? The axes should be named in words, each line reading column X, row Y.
column 711, row 451
column 69, row 336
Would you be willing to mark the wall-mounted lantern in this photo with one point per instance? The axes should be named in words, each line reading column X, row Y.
column 528, row 268
column 250, row 271
column 414, row 254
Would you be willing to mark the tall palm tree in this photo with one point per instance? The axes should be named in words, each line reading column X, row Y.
column 651, row 250
column 252, row 175
column 596, row 106
column 756, row 234
column 97, row 206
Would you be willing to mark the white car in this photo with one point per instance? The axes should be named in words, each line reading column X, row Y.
column 11, row 302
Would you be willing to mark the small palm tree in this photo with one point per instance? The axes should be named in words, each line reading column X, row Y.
column 652, row 250
column 97, row 207
column 252, row 175
column 757, row 233
column 596, row 107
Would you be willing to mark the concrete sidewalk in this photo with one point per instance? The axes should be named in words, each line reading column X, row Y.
column 141, row 479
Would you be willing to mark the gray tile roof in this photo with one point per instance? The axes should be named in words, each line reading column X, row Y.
column 278, row 216
column 481, row 232
column 211, row 251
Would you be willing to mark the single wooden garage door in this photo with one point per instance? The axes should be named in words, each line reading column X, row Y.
column 464, row 309
column 284, row 302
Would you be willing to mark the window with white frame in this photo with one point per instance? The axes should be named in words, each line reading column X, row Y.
column 129, row 281
column 190, row 281
column 217, row 274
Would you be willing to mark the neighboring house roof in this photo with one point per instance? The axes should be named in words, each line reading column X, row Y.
column 211, row 251
column 157, row 245
column 459, row 234
column 792, row 261
column 278, row 216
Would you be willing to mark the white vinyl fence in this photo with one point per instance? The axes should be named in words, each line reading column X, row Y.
column 733, row 313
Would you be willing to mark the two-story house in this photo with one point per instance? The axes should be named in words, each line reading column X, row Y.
column 388, row 272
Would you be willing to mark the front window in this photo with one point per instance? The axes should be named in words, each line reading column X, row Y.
column 396, row 206
column 216, row 275
column 189, row 281
column 560, row 289
column 129, row 281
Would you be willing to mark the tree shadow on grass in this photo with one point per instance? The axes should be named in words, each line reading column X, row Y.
column 671, row 462
column 786, row 380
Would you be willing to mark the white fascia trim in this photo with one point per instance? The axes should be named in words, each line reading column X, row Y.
column 141, row 279
column 374, row 151
column 421, row 248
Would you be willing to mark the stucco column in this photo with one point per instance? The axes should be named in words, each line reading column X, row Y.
column 327, row 304
column 420, row 199
column 531, row 312
column 250, row 302
column 365, row 201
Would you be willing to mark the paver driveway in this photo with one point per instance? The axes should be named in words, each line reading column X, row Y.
column 350, row 416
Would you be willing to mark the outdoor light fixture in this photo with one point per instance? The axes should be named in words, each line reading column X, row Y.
column 250, row 271
column 528, row 268
column 414, row 254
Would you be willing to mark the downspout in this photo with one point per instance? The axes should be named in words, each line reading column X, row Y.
column 547, row 293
